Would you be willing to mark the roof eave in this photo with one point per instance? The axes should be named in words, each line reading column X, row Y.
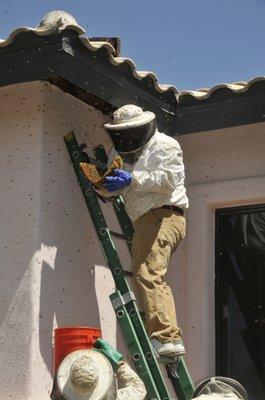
column 30, row 57
column 244, row 109
column 88, row 70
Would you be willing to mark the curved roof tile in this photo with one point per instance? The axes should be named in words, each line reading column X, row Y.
column 205, row 93
column 57, row 21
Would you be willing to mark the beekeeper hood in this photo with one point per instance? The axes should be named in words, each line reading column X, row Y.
column 220, row 388
column 86, row 375
column 131, row 128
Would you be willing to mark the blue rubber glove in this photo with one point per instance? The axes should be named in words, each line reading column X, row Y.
column 120, row 179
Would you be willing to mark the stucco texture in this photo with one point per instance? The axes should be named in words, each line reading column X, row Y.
column 225, row 168
column 52, row 268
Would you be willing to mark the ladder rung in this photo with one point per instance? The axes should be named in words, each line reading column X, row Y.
column 126, row 309
column 128, row 273
column 120, row 236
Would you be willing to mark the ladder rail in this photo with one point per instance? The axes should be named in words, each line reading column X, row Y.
column 127, row 313
column 133, row 344
column 118, row 203
column 183, row 386
column 113, row 261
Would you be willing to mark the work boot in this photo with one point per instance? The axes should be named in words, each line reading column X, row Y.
column 180, row 349
column 168, row 349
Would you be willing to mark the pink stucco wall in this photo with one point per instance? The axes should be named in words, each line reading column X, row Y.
column 52, row 269
column 224, row 168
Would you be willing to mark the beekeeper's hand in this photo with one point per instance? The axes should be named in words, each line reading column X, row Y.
column 108, row 351
column 119, row 180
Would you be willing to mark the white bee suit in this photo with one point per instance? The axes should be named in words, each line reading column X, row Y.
column 157, row 177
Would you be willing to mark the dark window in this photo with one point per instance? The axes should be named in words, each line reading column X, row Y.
column 240, row 297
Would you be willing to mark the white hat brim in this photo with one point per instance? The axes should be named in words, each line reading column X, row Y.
column 105, row 379
column 143, row 119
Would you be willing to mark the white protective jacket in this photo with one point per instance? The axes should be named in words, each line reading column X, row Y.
column 157, row 177
column 130, row 385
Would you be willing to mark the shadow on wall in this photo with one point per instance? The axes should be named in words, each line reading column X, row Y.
column 67, row 288
column 17, row 232
column 63, row 304
column 48, row 245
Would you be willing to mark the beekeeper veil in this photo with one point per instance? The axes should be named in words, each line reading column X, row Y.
column 131, row 128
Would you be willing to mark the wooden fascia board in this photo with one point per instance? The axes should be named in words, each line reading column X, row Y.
column 113, row 90
column 241, row 110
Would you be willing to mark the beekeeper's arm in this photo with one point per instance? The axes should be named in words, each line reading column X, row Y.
column 130, row 385
column 164, row 172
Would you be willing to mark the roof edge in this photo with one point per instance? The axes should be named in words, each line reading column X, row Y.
column 58, row 21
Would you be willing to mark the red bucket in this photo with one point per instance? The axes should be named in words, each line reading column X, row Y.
column 72, row 338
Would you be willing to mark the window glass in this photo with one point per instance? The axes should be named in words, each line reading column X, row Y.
column 240, row 297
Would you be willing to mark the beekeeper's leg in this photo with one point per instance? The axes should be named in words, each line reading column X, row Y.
column 156, row 236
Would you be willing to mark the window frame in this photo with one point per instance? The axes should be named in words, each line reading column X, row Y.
column 221, row 289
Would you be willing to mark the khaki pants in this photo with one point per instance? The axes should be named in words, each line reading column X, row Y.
column 156, row 236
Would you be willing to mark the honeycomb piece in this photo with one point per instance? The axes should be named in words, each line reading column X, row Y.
column 92, row 174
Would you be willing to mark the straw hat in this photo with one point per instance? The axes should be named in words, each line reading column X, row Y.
column 86, row 375
column 129, row 116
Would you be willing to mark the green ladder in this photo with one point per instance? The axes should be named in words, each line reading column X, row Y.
column 123, row 300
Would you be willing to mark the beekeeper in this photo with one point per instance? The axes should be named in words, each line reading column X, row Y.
column 152, row 185
column 220, row 388
column 90, row 375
